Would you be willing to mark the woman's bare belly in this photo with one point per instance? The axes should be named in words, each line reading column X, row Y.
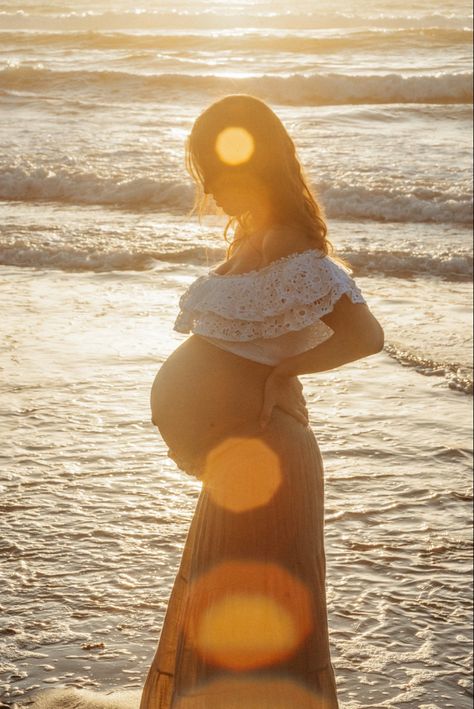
column 201, row 394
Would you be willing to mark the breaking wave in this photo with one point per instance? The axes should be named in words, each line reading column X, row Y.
column 295, row 89
column 279, row 40
column 126, row 256
column 30, row 183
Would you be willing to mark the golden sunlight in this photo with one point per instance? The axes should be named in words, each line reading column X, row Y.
column 235, row 145
column 242, row 474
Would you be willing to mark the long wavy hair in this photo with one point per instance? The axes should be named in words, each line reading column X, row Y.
column 273, row 163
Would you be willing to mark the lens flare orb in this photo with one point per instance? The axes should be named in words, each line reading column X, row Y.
column 242, row 474
column 246, row 630
column 245, row 615
column 234, row 145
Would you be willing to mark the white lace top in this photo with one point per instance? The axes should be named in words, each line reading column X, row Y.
column 269, row 314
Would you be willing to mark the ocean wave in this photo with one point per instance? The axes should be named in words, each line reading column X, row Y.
column 296, row 42
column 392, row 203
column 457, row 376
column 63, row 257
column 32, row 183
column 455, row 266
column 28, row 183
column 295, row 89
column 212, row 19
column 25, row 252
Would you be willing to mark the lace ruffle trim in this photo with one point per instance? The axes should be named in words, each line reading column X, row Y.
column 288, row 295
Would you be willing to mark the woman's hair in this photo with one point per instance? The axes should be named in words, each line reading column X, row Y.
column 272, row 163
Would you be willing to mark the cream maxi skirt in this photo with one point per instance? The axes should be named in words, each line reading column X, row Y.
column 246, row 624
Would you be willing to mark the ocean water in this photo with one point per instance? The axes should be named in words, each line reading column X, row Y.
column 96, row 246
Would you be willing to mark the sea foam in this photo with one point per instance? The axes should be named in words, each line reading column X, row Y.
column 85, row 699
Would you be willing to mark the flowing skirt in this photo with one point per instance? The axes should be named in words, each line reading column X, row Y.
column 246, row 624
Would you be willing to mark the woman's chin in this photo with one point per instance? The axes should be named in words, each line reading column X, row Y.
column 231, row 210
column 228, row 210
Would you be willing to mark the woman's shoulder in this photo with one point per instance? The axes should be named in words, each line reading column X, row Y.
column 284, row 240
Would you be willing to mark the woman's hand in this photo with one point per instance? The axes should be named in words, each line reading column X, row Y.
column 286, row 393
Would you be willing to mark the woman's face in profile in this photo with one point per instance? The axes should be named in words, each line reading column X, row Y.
column 236, row 192
column 230, row 192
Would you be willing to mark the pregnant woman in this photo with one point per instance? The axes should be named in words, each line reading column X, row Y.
column 246, row 624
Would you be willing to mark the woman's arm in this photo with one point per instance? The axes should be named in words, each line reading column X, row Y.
column 357, row 334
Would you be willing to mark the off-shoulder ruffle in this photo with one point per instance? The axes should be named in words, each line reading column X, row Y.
column 287, row 295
